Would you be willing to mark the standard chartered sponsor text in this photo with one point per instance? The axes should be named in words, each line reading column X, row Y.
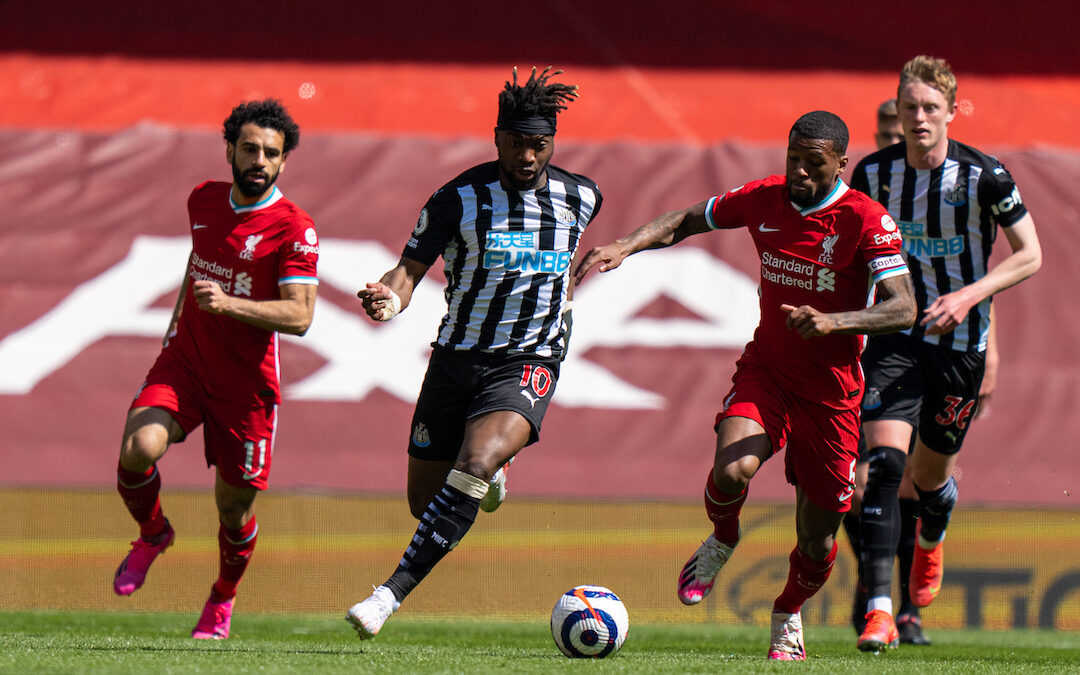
column 795, row 267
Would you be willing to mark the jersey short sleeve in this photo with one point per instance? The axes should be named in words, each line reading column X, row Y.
column 881, row 243
column 998, row 193
column 299, row 252
column 435, row 227
column 729, row 210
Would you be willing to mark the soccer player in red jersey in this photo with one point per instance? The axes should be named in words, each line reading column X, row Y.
column 822, row 249
column 250, row 275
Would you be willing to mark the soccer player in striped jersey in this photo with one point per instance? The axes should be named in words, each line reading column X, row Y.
column 908, row 621
column 250, row 276
column 823, row 249
column 949, row 200
column 507, row 231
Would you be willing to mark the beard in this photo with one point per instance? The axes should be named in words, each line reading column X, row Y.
column 807, row 200
column 247, row 187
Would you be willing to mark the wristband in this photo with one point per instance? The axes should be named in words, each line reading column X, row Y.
column 392, row 307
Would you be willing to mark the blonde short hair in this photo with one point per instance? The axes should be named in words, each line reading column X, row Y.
column 934, row 72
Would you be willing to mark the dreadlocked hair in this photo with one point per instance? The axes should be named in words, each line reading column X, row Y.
column 536, row 97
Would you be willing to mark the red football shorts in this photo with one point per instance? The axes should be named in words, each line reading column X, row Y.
column 238, row 436
column 822, row 442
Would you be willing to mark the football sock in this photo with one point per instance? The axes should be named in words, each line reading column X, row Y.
column 235, row 548
column 905, row 549
column 851, row 527
column 936, row 509
column 805, row 577
column 140, row 491
column 723, row 510
column 880, row 519
column 442, row 525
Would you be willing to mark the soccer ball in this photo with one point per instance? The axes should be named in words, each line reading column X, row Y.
column 589, row 622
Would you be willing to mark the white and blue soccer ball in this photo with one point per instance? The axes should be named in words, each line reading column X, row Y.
column 589, row 622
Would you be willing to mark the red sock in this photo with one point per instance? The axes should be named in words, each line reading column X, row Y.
column 723, row 510
column 140, row 492
column 805, row 577
column 236, row 547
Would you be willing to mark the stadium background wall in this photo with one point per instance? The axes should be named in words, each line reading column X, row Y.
column 112, row 115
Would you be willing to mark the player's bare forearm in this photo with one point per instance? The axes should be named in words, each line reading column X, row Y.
column 291, row 314
column 386, row 298
column 670, row 228
column 951, row 309
column 895, row 312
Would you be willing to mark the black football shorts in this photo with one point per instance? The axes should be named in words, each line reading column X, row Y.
column 935, row 389
column 460, row 385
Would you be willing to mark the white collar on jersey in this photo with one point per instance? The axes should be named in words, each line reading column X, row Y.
column 274, row 196
column 839, row 191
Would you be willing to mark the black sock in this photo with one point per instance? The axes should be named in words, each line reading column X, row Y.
column 909, row 517
column 852, row 526
column 936, row 509
column 447, row 518
column 881, row 519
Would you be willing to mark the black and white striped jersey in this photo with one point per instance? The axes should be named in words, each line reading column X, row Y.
column 948, row 217
column 507, row 257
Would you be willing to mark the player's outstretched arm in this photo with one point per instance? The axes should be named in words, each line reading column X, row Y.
column 390, row 295
column 291, row 314
column 949, row 311
column 894, row 312
column 668, row 229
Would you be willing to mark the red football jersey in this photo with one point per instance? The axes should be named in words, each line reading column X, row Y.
column 827, row 256
column 249, row 251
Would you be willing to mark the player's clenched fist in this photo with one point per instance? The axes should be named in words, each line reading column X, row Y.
column 807, row 321
column 379, row 301
column 210, row 296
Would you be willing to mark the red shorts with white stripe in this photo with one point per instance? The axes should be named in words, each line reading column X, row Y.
column 821, row 441
column 238, row 436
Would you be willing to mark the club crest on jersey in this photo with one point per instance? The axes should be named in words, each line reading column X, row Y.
column 565, row 215
column 871, row 399
column 249, row 246
column 957, row 194
column 420, row 436
column 827, row 245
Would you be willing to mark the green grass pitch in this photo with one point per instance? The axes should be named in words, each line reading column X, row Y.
column 159, row 643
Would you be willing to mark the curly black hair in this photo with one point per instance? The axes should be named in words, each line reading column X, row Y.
column 536, row 97
column 269, row 114
column 822, row 125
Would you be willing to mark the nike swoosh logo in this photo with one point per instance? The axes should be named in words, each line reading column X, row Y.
column 762, row 228
column 197, row 226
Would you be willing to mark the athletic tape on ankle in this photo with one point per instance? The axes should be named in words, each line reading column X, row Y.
column 391, row 308
column 469, row 484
